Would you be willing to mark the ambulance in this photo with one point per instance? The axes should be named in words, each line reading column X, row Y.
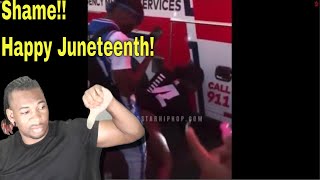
column 192, row 30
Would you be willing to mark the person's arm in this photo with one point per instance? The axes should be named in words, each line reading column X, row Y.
column 208, row 162
column 199, row 153
column 141, row 69
column 124, row 127
column 127, row 79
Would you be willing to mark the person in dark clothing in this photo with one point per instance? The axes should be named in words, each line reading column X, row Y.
column 167, row 95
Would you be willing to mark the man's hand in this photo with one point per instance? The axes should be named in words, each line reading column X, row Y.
column 6, row 128
column 97, row 99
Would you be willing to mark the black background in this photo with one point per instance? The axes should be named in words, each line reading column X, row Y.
column 63, row 79
column 275, row 81
column 275, row 89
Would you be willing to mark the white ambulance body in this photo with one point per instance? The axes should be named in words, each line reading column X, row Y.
column 196, row 30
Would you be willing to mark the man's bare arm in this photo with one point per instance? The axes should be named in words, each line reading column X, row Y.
column 124, row 127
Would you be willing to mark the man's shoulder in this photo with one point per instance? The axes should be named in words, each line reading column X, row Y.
column 7, row 144
column 8, row 140
column 69, row 122
column 118, row 36
column 69, row 126
column 101, row 22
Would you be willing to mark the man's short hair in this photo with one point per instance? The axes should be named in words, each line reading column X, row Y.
column 134, row 6
column 21, row 83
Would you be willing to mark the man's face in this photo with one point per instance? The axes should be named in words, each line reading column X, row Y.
column 126, row 21
column 29, row 110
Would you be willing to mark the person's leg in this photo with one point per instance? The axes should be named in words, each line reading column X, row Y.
column 159, row 156
column 135, row 157
column 135, row 154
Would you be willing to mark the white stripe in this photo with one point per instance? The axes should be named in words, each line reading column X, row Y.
column 162, row 76
column 191, row 55
column 215, row 23
column 155, row 84
column 141, row 32
column 191, row 31
column 191, row 3
column 157, row 81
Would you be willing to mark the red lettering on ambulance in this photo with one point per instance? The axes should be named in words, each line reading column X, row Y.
column 210, row 85
column 225, row 89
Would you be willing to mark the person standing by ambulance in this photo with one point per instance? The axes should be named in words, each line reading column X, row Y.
column 122, row 17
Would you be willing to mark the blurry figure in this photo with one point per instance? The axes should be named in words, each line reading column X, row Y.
column 159, row 161
column 116, row 71
column 217, row 163
column 167, row 94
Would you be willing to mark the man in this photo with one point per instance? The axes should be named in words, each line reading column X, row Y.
column 44, row 149
column 116, row 72
column 122, row 17
column 167, row 95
